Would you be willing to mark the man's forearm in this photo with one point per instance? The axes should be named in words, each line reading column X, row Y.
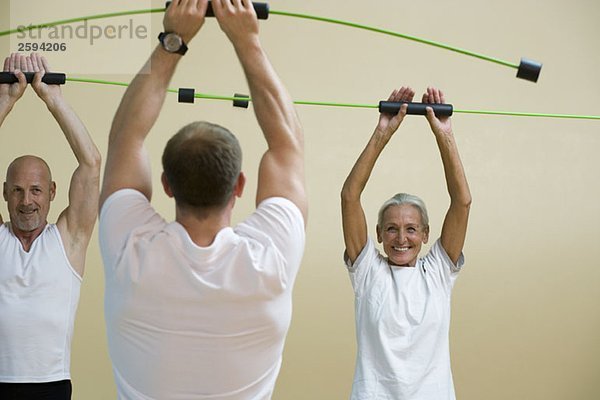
column 145, row 95
column 79, row 139
column 127, row 163
column 271, row 101
column 6, row 106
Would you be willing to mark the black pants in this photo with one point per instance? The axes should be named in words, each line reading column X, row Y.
column 60, row 390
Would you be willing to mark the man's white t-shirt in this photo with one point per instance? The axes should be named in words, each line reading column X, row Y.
column 190, row 322
column 402, row 326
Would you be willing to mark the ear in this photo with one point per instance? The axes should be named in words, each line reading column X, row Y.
column 4, row 192
column 165, row 185
column 238, row 189
column 379, row 238
column 426, row 235
column 52, row 190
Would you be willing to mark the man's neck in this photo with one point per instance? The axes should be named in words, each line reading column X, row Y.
column 28, row 237
column 203, row 230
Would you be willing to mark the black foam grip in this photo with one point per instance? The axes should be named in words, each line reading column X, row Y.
column 50, row 78
column 529, row 70
column 186, row 95
column 262, row 10
column 393, row 107
column 240, row 102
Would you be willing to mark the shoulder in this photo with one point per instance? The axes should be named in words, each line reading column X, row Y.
column 275, row 215
column 126, row 213
column 276, row 223
column 369, row 269
column 368, row 255
column 439, row 268
column 53, row 232
column 123, row 198
column 128, row 208
column 280, row 207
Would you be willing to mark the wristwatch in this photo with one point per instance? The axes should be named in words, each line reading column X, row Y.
column 172, row 42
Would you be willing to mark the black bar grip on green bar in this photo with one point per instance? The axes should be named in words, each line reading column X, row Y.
column 241, row 100
column 393, row 107
column 529, row 70
column 262, row 10
column 49, row 78
column 186, row 95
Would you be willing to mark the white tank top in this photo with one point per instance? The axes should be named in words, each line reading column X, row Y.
column 39, row 292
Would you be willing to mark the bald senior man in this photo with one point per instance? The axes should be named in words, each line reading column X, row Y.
column 42, row 264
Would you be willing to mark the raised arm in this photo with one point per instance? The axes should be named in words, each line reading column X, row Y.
column 454, row 229
column 11, row 93
column 281, row 171
column 76, row 222
column 354, row 223
column 127, row 163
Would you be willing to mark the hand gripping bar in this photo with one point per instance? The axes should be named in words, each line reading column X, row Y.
column 50, row 78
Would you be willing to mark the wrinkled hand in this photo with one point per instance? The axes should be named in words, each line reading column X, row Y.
column 185, row 17
column 11, row 92
column 440, row 125
column 237, row 19
column 388, row 124
column 48, row 93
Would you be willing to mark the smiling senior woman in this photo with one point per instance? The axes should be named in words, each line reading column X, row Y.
column 402, row 302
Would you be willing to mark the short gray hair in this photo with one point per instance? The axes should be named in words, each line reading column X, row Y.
column 405, row 198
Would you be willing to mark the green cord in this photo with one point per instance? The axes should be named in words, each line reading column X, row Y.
column 396, row 34
column 99, row 81
column 349, row 105
column 217, row 97
column 310, row 17
column 281, row 13
column 320, row 103
column 522, row 114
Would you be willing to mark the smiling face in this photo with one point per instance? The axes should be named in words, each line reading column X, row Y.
column 28, row 190
column 402, row 233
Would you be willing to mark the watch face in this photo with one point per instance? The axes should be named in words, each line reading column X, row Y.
column 172, row 42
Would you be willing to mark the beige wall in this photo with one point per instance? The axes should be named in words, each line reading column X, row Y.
column 525, row 310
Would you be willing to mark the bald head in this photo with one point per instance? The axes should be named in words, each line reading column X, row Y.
column 28, row 163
